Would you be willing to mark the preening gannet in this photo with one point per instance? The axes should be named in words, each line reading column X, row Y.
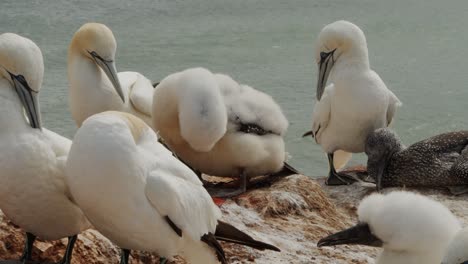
column 94, row 83
column 141, row 197
column 441, row 160
column 220, row 127
column 355, row 102
column 411, row 228
column 33, row 191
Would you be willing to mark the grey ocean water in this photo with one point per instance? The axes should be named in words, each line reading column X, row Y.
column 419, row 48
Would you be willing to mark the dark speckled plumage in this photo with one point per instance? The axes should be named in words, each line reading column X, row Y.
column 441, row 160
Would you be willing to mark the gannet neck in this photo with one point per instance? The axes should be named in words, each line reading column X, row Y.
column 12, row 119
column 88, row 86
column 356, row 57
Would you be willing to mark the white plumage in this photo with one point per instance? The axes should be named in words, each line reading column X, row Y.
column 219, row 127
column 33, row 191
column 412, row 228
column 94, row 83
column 127, row 183
column 356, row 101
column 457, row 252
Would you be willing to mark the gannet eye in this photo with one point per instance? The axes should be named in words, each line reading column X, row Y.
column 323, row 55
column 97, row 56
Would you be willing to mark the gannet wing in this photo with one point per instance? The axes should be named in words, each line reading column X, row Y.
column 321, row 113
column 188, row 208
column 202, row 111
column 394, row 103
column 447, row 142
column 140, row 91
column 60, row 145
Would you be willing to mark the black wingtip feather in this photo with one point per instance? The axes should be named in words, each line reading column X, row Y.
column 287, row 168
column 229, row 233
column 173, row 226
column 211, row 241
column 155, row 84
column 285, row 171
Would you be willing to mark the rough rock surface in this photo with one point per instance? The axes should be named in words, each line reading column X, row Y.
column 293, row 214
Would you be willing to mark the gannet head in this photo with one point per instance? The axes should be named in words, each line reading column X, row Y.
column 22, row 65
column 457, row 252
column 334, row 41
column 380, row 146
column 401, row 222
column 96, row 42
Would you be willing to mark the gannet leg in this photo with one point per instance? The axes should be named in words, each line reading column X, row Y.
column 335, row 178
column 124, row 256
column 69, row 251
column 228, row 193
column 27, row 251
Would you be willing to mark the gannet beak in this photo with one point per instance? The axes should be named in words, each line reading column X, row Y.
column 28, row 98
column 326, row 64
column 359, row 234
column 381, row 164
column 308, row 133
column 108, row 66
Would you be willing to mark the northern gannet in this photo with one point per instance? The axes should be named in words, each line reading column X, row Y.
column 33, row 191
column 136, row 193
column 411, row 228
column 355, row 102
column 220, row 127
column 440, row 160
column 94, row 83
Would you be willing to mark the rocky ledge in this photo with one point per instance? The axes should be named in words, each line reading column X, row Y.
column 293, row 214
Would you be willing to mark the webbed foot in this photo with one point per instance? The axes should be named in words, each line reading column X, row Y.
column 337, row 178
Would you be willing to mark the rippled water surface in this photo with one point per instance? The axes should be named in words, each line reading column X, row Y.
column 418, row 47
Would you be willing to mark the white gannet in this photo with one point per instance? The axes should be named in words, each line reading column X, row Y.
column 33, row 191
column 411, row 228
column 457, row 252
column 355, row 102
column 94, row 83
column 136, row 193
column 220, row 127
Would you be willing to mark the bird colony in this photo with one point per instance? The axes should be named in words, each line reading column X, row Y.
column 135, row 168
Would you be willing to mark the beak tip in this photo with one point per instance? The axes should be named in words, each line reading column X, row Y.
column 322, row 243
column 308, row 133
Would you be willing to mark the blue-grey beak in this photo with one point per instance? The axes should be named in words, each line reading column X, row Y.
column 325, row 65
column 108, row 66
column 28, row 98
column 359, row 234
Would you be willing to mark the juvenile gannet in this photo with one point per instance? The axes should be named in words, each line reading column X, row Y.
column 355, row 102
column 411, row 228
column 457, row 252
column 33, row 192
column 141, row 197
column 94, row 83
column 220, row 127
column 441, row 160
